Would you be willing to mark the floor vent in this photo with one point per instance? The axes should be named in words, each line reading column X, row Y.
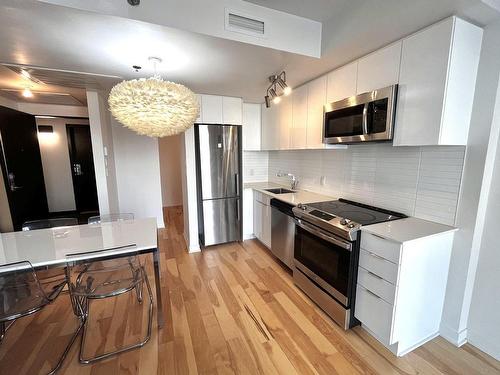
column 244, row 24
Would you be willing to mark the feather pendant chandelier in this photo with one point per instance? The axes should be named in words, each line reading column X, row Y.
column 153, row 107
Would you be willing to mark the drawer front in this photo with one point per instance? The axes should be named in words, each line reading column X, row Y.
column 377, row 285
column 374, row 313
column 387, row 249
column 379, row 266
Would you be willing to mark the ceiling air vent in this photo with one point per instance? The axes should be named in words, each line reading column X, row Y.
column 244, row 24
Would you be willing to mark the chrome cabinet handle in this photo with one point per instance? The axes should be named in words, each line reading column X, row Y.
column 376, row 256
column 370, row 292
column 374, row 275
column 365, row 119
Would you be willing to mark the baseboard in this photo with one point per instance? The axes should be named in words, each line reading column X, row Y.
column 405, row 351
column 486, row 344
column 248, row 237
column 456, row 338
column 194, row 248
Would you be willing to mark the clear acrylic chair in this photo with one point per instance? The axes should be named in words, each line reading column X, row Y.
column 110, row 218
column 22, row 294
column 49, row 223
column 102, row 278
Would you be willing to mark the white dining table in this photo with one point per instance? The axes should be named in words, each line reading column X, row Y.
column 48, row 248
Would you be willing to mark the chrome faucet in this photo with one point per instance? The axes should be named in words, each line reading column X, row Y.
column 293, row 183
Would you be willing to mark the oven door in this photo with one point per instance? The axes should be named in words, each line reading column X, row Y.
column 324, row 258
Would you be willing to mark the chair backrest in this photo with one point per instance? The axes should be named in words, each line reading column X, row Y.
column 110, row 218
column 98, row 271
column 20, row 291
column 49, row 223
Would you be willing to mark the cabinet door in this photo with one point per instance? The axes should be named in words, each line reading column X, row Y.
column 342, row 82
column 285, row 122
column 316, row 99
column 248, row 220
column 422, row 84
column 266, row 225
column 211, row 109
column 257, row 219
column 251, row 126
column 231, row 110
column 379, row 69
column 298, row 135
column 270, row 128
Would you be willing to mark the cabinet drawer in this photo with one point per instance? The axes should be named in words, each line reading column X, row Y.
column 387, row 249
column 379, row 266
column 377, row 285
column 262, row 198
column 374, row 313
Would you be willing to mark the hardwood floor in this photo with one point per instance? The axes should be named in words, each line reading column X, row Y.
column 229, row 309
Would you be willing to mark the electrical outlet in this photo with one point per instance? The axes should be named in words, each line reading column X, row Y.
column 251, row 172
column 322, row 180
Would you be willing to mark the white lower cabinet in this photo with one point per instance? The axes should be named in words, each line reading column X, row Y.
column 401, row 287
column 262, row 218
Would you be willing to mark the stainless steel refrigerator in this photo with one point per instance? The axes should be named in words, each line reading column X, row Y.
column 218, row 167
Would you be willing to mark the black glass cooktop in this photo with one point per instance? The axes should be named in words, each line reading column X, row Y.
column 357, row 212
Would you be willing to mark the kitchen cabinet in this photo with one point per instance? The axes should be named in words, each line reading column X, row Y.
column 298, row 131
column 270, row 130
column 262, row 218
column 342, row 82
column 284, row 121
column 316, row 99
column 211, row 109
column 436, row 84
column 379, row 69
column 251, row 121
column 248, row 218
column 220, row 110
column 400, row 282
column 231, row 110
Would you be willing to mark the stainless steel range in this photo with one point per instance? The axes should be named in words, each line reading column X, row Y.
column 326, row 252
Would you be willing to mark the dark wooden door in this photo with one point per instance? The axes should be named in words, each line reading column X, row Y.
column 21, row 164
column 82, row 167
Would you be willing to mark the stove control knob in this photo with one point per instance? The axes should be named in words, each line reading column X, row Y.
column 351, row 225
column 344, row 221
column 303, row 207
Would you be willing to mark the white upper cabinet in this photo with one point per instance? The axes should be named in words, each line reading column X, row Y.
column 211, row 109
column 231, row 110
column 342, row 82
column 251, row 126
column 436, row 84
column 379, row 69
column 198, row 120
column 216, row 109
column 270, row 130
column 284, row 121
column 316, row 99
column 298, row 136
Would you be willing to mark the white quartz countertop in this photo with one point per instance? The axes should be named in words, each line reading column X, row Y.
column 298, row 196
column 409, row 229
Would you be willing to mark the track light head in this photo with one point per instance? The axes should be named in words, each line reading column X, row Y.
column 134, row 2
column 268, row 101
column 277, row 82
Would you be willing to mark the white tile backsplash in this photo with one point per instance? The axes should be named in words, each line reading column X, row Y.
column 255, row 166
column 418, row 181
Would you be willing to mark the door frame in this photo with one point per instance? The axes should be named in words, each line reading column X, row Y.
column 70, row 152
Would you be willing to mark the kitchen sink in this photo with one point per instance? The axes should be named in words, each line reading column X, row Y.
column 280, row 191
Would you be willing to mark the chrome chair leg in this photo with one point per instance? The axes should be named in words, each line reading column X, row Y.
column 127, row 348
column 68, row 347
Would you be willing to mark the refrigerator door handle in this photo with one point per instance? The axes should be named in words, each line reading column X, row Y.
column 237, row 209
column 237, row 178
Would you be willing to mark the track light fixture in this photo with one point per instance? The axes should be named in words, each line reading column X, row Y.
column 278, row 83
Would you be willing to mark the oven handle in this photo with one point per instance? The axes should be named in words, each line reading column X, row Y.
column 321, row 234
column 365, row 119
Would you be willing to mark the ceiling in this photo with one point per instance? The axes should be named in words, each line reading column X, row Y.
column 318, row 10
column 60, row 38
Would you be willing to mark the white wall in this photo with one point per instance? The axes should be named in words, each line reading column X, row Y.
column 137, row 167
column 255, row 166
column 102, row 149
column 465, row 252
column 483, row 324
column 171, row 149
column 189, row 197
column 56, row 164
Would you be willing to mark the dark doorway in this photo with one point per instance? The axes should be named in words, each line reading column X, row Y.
column 82, row 168
column 21, row 165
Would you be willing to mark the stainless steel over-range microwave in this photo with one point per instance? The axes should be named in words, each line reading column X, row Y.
column 366, row 117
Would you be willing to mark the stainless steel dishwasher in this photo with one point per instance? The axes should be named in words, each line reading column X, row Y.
column 282, row 231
